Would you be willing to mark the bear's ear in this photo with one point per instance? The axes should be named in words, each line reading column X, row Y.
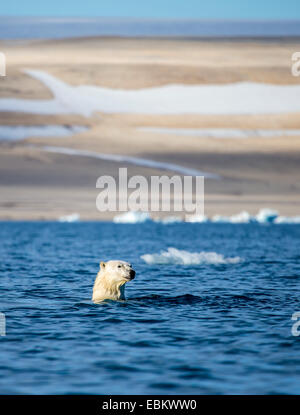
column 102, row 265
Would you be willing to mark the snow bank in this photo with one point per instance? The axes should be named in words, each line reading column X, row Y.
column 21, row 132
column 236, row 98
column 221, row 132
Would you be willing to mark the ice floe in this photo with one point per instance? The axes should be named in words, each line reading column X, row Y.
column 196, row 219
column 74, row 217
column 180, row 257
column 169, row 219
column 287, row 219
column 242, row 217
column 132, row 217
column 264, row 216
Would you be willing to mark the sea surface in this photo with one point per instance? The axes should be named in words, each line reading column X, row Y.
column 54, row 28
column 220, row 324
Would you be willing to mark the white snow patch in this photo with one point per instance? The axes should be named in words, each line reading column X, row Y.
column 221, row 132
column 236, row 98
column 137, row 161
column 21, row 132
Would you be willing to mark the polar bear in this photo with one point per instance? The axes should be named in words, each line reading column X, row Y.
column 111, row 279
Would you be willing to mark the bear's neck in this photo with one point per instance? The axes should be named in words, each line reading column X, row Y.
column 105, row 289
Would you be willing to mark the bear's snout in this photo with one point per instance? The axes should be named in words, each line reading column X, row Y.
column 132, row 274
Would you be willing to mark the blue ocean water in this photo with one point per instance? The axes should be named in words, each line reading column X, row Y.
column 201, row 329
column 49, row 28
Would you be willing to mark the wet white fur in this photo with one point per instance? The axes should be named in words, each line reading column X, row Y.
column 110, row 281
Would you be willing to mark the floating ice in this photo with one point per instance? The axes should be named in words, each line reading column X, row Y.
column 74, row 217
column 287, row 219
column 196, row 219
column 266, row 215
column 169, row 219
column 180, row 257
column 132, row 217
column 242, row 217
column 220, row 219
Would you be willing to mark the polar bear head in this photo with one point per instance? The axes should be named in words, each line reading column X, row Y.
column 117, row 271
column 111, row 279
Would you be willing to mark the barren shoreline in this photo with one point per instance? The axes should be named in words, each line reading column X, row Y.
column 256, row 172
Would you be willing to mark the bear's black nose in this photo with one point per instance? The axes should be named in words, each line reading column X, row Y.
column 132, row 274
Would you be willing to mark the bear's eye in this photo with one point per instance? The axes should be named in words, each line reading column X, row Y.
column 119, row 266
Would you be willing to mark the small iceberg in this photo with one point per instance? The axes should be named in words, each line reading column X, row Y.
column 287, row 219
column 196, row 219
column 242, row 217
column 74, row 217
column 266, row 215
column 132, row 217
column 179, row 257
column 169, row 219
column 220, row 219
